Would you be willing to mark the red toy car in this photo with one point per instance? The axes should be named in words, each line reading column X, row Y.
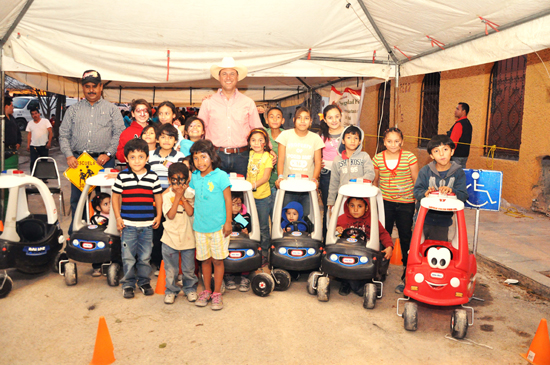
column 440, row 273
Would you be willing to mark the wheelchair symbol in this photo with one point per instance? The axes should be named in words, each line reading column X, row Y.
column 475, row 177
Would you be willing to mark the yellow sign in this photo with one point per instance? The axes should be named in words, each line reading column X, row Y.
column 87, row 167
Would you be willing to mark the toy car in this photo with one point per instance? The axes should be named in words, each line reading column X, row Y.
column 352, row 256
column 296, row 251
column 92, row 243
column 245, row 253
column 440, row 273
column 29, row 242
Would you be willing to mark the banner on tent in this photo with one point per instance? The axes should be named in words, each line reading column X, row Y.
column 349, row 102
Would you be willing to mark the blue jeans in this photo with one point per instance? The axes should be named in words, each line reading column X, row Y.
column 75, row 194
column 137, row 243
column 171, row 267
column 324, row 184
column 262, row 206
column 234, row 162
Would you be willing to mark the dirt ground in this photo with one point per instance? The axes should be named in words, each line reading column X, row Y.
column 44, row 321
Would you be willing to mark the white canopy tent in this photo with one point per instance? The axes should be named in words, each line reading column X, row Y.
column 166, row 48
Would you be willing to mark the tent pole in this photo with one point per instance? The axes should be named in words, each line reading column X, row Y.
column 378, row 32
column 2, row 129
column 190, row 96
column 120, row 94
column 15, row 23
column 396, row 93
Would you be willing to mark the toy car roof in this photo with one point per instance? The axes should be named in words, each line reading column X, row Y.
column 298, row 183
column 238, row 183
column 358, row 188
column 445, row 203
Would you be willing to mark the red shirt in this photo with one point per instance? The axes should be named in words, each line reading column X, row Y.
column 133, row 131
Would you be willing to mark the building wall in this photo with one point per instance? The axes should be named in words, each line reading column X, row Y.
column 522, row 178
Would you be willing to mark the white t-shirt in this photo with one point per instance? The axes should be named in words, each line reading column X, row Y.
column 300, row 152
column 39, row 132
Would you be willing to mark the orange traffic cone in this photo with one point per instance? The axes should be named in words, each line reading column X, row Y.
column 396, row 256
column 539, row 351
column 161, row 280
column 103, row 351
column 1, row 226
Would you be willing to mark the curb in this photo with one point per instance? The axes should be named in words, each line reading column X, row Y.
column 525, row 281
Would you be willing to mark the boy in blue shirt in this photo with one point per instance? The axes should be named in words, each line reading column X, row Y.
column 444, row 175
column 134, row 192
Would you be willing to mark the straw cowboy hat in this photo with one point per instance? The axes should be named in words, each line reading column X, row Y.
column 228, row 62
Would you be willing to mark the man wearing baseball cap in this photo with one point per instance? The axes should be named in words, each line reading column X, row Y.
column 92, row 125
column 229, row 116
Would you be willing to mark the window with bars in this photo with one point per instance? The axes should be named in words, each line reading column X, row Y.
column 429, row 112
column 384, row 101
column 506, row 95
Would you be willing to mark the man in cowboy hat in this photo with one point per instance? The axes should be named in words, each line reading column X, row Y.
column 229, row 116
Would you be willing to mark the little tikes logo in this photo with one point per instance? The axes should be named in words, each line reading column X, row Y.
column 36, row 251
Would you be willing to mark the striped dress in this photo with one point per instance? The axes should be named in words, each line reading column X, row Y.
column 396, row 184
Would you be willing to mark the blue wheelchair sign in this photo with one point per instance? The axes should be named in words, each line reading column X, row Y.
column 484, row 189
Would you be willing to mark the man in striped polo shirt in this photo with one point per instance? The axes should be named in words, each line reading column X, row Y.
column 92, row 125
column 134, row 192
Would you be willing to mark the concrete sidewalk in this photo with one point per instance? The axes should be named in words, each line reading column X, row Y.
column 518, row 248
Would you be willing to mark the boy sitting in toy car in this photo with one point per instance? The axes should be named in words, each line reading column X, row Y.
column 293, row 214
column 357, row 215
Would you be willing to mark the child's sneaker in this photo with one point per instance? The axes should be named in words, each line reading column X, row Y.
column 204, row 297
column 192, row 297
column 128, row 293
column 96, row 272
column 169, row 298
column 147, row 289
column 230, row 282
column 245, row 284
column 399, row 288
column 217, row 302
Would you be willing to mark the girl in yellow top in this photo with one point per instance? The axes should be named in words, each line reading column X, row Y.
column 258, row 173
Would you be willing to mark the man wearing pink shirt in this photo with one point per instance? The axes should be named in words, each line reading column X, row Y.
column 229, row 116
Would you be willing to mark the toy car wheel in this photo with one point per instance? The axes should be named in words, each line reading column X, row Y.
column 263, row 284
column 312, row 282
column 8, row 284
column 59, row 257
column 410, row 315
column 459, row 323
column 369, row 297
column 283, row 278
column 71, row 274
column 112, row 274
column 323, row 289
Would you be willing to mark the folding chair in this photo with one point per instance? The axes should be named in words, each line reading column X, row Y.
column 46, row 168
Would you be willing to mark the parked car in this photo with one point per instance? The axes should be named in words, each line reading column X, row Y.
column 22, row 106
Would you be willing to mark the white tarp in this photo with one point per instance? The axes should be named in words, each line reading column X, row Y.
column 128, row 41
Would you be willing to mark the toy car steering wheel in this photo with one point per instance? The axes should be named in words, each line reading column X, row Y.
column 358, row 233
column 294, row 226
column 236, row 227
column 99, row 220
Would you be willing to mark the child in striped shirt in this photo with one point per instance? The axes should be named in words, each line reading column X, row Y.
column 396, row 171
column 159, row 160
column 134, row 192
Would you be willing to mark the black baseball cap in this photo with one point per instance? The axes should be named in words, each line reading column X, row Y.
column 91, row 76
